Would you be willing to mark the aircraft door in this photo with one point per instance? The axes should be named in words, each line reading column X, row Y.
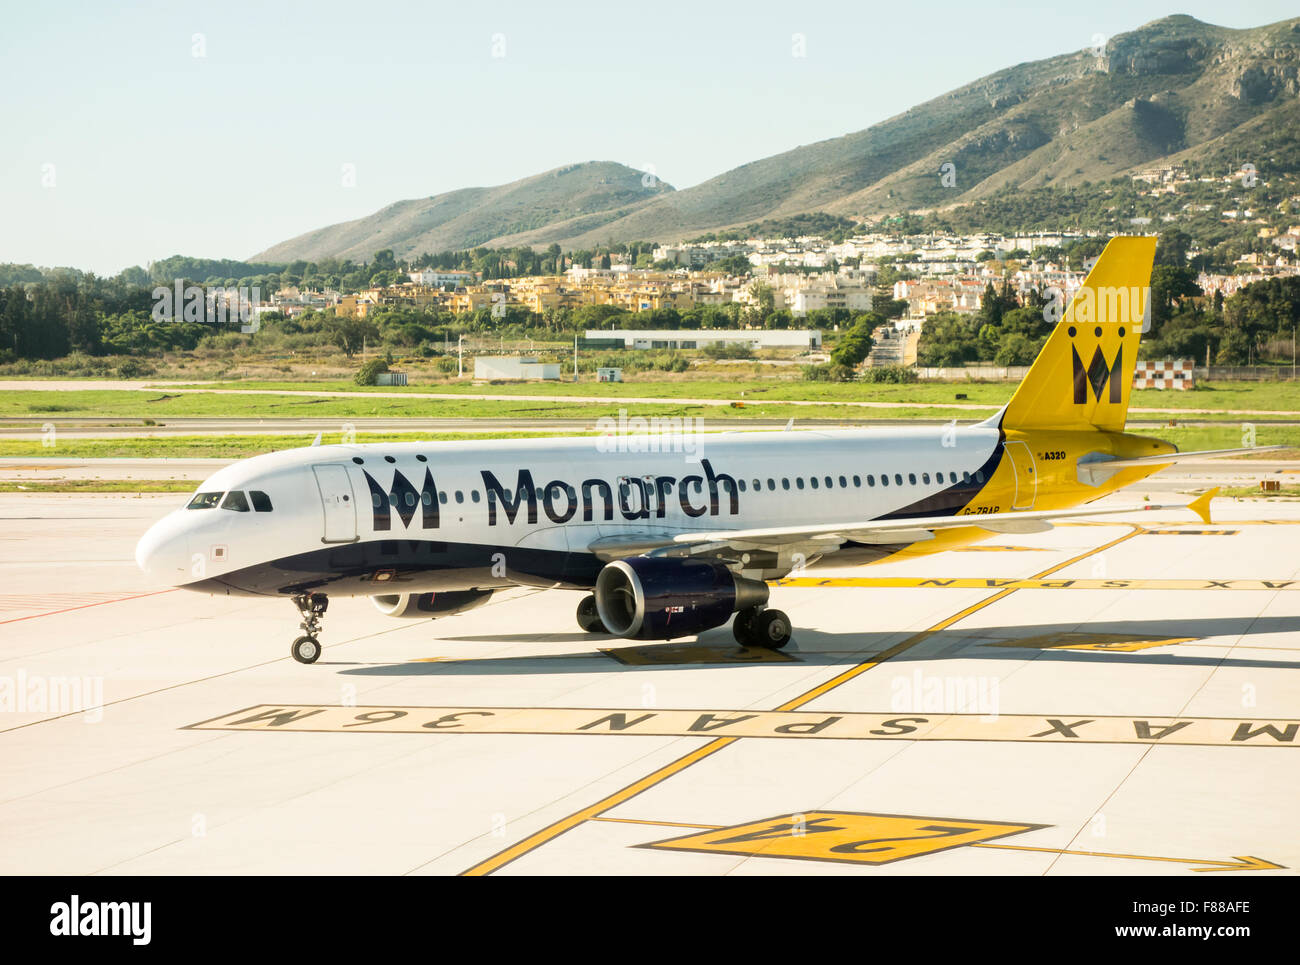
column 339, row 506
column 1022, row 461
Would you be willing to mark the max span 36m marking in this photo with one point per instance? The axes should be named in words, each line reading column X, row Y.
column 789, row 725
column 1012, row 583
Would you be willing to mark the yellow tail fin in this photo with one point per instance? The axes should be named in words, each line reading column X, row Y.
column 1083, row 375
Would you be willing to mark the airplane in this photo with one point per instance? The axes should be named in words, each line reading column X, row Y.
column 673, row 536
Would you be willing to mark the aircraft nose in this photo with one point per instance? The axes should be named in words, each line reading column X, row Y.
column 163, row 551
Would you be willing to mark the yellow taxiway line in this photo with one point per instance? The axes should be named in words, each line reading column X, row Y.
column 593, row 811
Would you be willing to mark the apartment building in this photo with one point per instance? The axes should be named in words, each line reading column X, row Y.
column 438, row 277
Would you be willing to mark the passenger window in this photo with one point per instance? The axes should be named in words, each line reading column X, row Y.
column 979, row 477
column 898, row 478
column 236, row 501
column 911, row 478
column 442, row 498
column 844, row 483
column 884, row 480
column 925, row 478
column 376, row 500
column 473, row 495
column 261, row 501
column 952, row 476
column 965, row 478
column 812, row 481
column 771, row 484
column 409, row 499
column 799, row 481
column 758, row 484
column 460, row 496
column 204, row 501
column 830, row 483
column 426, row 498
column 785, row 483
column 871, row 480
column 857, row 481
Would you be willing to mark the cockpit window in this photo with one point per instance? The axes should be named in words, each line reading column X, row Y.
column 261, row 501
column 235, row 500
column 204, row 501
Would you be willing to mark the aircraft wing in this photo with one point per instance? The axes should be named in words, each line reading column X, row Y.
column 827, row 537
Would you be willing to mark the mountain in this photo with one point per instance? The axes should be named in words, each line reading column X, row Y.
column 567, row 200
column 1175, row 88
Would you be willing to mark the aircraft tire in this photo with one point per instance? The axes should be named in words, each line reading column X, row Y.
column 306, row 650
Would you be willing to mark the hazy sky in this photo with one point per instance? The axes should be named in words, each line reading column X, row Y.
column 121, row 144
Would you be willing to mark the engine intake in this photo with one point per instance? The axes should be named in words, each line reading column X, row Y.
column 428, row 605
column 658, row 599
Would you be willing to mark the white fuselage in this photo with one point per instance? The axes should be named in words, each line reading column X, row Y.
column 388, row 517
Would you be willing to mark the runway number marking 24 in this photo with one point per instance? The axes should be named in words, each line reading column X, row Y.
column 843, row 836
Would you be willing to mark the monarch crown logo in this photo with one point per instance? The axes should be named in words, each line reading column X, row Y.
column 1125, row 306
column 1097, row 376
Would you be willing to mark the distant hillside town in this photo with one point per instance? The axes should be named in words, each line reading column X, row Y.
column 928, row 274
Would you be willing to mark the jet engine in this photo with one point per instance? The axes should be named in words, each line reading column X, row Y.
column 428, row 605
column 645, row 598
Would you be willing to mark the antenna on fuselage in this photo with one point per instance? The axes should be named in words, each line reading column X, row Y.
column 316, row 441
column 789, row 425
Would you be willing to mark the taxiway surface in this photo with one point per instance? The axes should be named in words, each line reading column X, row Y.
column 1109, row 698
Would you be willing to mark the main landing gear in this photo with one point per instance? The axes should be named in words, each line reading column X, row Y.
column 589, row 616
column 754, row 627
column 312, row 606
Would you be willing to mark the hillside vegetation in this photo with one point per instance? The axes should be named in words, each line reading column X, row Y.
column 1175, row 90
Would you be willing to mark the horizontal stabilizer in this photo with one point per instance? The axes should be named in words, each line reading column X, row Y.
column 1171, row 457
column 1201, row 504
column 1100, row 469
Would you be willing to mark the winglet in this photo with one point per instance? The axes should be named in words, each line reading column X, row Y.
column 1201, row 504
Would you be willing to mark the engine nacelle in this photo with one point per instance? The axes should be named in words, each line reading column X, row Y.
column 425, row 606
column 657, row 599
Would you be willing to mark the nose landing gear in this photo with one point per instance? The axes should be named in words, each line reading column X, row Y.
column 312, row 606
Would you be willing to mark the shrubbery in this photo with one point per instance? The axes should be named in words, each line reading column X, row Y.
column 728, row 350
column 894, row 374
column 369, row 372
column 828, row 372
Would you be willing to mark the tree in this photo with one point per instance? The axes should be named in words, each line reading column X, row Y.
column 781, row 318
column 349, row 332
column 855, row 344
column 948, row 339
column 764, row 303
column 1171, row 249
column 1016, row 349
column 1169, row 285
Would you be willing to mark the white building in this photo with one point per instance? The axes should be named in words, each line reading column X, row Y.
column 437, row 277
column 834, row 291
column 496, row 367
column 699, row 255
